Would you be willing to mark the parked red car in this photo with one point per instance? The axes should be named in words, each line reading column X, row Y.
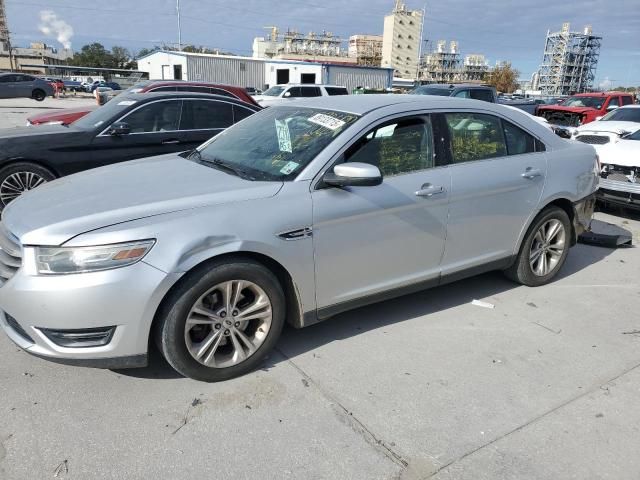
column 70, row 115
column 583, row 108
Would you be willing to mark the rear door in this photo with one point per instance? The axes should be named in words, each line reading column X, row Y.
column 8, row 86
column 498, row 172
column 203, row 119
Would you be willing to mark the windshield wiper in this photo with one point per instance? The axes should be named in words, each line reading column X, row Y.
column 222, row 165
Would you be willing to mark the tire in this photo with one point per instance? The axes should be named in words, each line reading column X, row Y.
column 219, row 340
column 38, row 95
column 534, row 273
column 20, row 177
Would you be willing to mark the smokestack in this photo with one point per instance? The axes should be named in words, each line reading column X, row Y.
column 53, row 26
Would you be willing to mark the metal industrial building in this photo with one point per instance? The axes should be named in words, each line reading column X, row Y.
column 259, row 73
column 570, row 61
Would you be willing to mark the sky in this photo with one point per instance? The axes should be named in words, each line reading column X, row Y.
column 500, row 29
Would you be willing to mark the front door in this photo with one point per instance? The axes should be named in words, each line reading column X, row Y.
column 368, row 240
column 497, row 175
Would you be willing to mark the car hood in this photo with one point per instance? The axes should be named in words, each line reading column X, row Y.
column 560, row 108
column 21, row 141
column 610, row 127
column 624, row 152
column 58, row 211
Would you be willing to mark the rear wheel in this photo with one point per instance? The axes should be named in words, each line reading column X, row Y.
column 39, row 95
column 544, row 249
column 222, row 320
column 19, row 178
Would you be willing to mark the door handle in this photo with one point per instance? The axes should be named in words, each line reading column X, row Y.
column 531, row 173
column 170, row 142
column 429, row 190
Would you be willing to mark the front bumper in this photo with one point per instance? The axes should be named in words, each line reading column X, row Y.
column 125, row 298
column 626, row 194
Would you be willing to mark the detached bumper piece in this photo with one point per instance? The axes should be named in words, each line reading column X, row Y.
column 86, row 338
column 604, row 240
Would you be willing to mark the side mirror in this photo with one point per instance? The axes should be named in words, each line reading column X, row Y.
column 353, row 175
column 286, row 94
column 119, row 128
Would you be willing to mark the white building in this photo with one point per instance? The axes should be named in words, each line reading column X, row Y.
column 259, row 73
column 401, row 41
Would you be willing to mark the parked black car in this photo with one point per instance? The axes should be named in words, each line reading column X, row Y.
column 485, row 93
column 20, row 85
column 129, row 127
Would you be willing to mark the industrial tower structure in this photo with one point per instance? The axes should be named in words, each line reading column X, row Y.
column 5, row 42
column 570, row 61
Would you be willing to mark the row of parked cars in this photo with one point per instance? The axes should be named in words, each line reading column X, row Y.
column 231, row 220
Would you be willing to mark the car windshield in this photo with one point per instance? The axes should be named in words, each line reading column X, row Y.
column 274, row 91
column 443, row 92
column 623, row 115
column 101, row 115
column 275, row 144
column 591, row 102
column 635, row 136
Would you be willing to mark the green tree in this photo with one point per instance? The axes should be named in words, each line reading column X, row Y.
column 122, row 58
column 93, row 55
column 504, row 77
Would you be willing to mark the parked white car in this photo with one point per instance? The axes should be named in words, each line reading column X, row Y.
column 283, row 93
column 610, row 128
column 620, row 176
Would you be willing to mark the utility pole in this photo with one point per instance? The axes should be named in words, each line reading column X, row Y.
column 179, row 26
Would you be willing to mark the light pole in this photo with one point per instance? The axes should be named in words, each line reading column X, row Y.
column 179, row 26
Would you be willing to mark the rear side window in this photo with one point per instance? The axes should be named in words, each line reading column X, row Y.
column 206, row 114
column 331, row 91
column 8, row 78
column 294, row 92
column 240, row 113
column 627, row 100
column 475, row 136
column 519, row 142
column 311, row 91
column 481, row 94
column 462, row 94
column 614, row 102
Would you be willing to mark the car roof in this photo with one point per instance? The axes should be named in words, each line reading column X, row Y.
column 307, row 85
column 189, row 83
column 603, row 94
column 362, row 104
column 454, row 85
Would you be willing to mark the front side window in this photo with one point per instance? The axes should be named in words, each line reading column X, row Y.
column 275, row 144
column 623, row 115
column 475, row 136
column 240, row 113
column 206, row 115
column 462, row 94
column 614, row 102
column 591, row 102
column 402, row 146
column 8, row 79
column 294, row 92
column 274, row 91
column 155, row 117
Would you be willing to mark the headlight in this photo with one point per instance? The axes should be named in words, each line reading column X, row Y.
column 68, row 260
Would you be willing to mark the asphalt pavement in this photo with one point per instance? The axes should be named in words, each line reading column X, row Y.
column 544, row 385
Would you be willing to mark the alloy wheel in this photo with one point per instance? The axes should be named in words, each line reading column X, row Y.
column 17, row 183
column 228, row 324
column 547, row 248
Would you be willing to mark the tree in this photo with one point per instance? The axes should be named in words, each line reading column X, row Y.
column 504, row 77
column 122, row 58
column 95, row 55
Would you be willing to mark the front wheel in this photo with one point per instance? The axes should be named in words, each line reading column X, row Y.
column 544, row 249
column 19, row 178
column 222, row 320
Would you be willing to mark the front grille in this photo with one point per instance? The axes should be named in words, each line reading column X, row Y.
column 593, row 139
column 13, row 323
column 10, row 255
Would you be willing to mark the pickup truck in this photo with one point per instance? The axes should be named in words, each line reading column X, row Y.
column 581, row 109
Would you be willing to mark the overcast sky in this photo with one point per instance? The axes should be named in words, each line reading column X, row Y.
column 500, row 29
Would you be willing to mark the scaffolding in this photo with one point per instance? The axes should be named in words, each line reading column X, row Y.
column 366, row 49
column 323, row 44
column 442, row 66
column 5, row 43
column 570, row 61
column 476, row 68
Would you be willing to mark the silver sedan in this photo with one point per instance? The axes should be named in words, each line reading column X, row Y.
column 294, row 215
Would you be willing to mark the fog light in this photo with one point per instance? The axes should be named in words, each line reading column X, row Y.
column 85, row 338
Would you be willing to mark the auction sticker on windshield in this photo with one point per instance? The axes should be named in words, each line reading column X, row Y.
column 284, row 137
column 289, row 167
column 326, row 121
